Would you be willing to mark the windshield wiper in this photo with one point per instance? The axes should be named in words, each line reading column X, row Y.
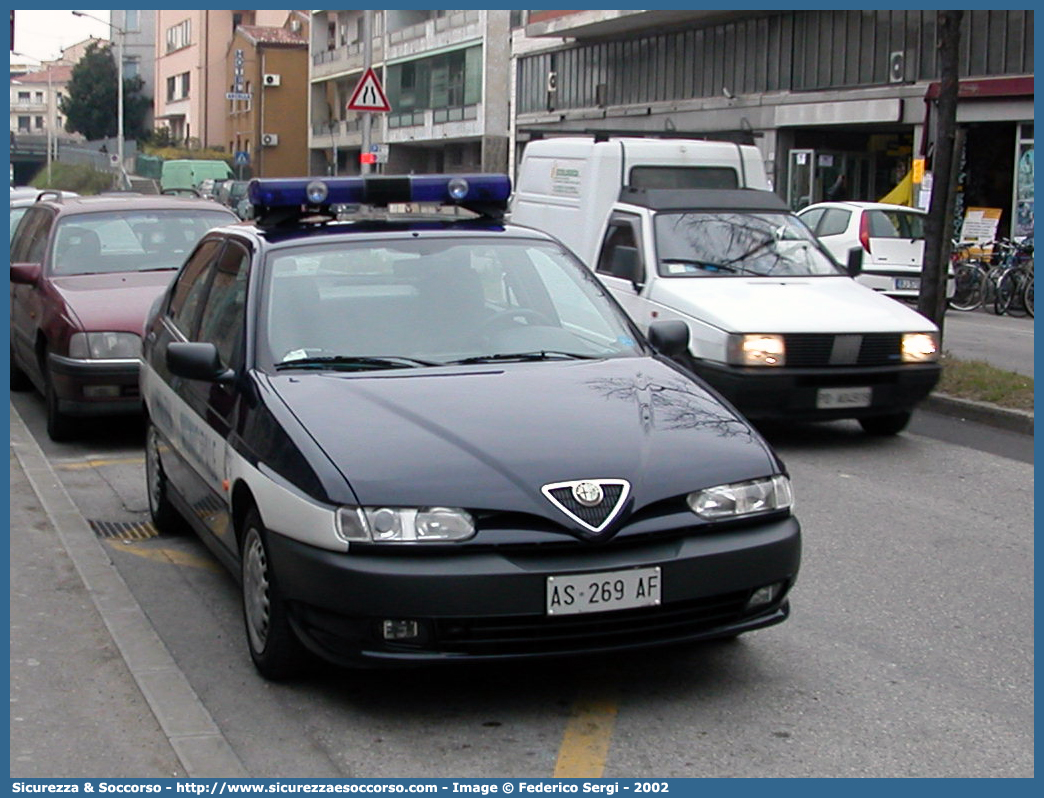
column 363, row 362
column 542, row 354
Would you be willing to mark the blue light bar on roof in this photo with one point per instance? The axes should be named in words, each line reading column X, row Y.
column 380, row 190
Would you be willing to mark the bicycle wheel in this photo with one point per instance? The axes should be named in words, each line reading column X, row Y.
column 1005, row 290
column 1027, row 296
column 1017, row 306
column 969, row 280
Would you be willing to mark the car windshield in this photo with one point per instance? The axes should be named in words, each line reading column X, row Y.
column 129, row 241
column 724, row 243
column 423, row 302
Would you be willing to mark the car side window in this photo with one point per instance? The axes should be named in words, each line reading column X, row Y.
column 223, row 318
column 31, row 243
column 834, row 222
column 812, row 217
column 621, row 254
column 190, row 288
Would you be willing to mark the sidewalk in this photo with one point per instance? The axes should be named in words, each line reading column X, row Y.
column 94, row 692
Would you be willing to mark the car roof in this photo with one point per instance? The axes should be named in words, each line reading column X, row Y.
column 866, row 206
column 129, row 201
column 377, row 229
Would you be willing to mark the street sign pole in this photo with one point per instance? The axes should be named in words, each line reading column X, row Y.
column 367, row 117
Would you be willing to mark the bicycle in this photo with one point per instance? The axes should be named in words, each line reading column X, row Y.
column 970, row 275
column 1013, row 282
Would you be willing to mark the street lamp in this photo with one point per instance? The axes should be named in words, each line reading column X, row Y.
column 119, row 89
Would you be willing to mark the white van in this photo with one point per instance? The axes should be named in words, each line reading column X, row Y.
column 680, row 229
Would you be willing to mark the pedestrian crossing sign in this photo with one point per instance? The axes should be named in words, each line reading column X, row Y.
column 369, row 95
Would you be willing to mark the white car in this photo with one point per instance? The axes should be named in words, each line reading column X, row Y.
column 892, row 238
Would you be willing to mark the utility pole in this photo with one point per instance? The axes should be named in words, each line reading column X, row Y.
column 931, row 301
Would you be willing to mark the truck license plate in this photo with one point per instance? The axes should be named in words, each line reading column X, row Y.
column 907, row 284
column 830, row 398
column 602, row 592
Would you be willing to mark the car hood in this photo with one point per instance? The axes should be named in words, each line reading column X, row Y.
column 488, row 438
column 115, row 301
column 787, row 305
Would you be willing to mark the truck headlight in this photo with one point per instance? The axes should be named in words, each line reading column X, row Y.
column 757, row 349
column 104, row 345
column 920, row 347
column 404, row 524
column 740, row 499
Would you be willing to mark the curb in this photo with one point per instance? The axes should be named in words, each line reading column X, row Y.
column 983, row 412
column 195, row 737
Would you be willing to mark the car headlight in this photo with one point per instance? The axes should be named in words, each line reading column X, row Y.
column 920, row 347
column 104, row 345
column 757, row 349
column 740, row 499
column 405, row 525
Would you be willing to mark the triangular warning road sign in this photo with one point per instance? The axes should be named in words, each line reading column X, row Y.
column 369, row 95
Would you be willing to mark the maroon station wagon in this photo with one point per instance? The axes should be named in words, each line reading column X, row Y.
column 84, row 273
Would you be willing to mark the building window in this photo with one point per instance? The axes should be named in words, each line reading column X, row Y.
column 131, row 20
column 450, row 80
column 39, row 123
column 39, row 97
column 24, row 96
column 177, row 87
column 24, row 123
column 131, row 68
column 179, row 35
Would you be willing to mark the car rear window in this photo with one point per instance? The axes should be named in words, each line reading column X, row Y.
column 895, row 224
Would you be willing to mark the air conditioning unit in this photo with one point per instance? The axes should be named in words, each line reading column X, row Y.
column 269, row 139
column 270, row 80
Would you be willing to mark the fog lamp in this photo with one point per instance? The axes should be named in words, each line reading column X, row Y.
column 765, row 595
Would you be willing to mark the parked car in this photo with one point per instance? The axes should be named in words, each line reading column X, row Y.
column 22, row 200
column 439, row 439
column 891, row 237
column 233, row 194
column 84, row 272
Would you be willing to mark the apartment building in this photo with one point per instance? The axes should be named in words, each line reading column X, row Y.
column 191, row 48
column 445, row 74
column 138, row 29
column 819, row 92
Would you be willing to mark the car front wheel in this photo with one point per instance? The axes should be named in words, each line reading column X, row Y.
column 164, row 517
column 274, row 647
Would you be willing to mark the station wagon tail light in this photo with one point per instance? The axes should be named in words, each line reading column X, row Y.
column 104, row 345
column 741, row 499
column 758, row 349
column 405, row 524
column 920, row 347
column 380, row 190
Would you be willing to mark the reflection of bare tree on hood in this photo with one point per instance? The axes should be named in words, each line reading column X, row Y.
column 759, row 244
column 673, row 405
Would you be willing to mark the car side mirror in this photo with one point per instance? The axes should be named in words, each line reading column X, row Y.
column 669, row 337
column 197, row 361
column 624, row 264
column 26, row 273
column 855, row 262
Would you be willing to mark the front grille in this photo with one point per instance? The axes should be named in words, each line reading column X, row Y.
column 534, row 634
column 596, row 515
column 804, row 350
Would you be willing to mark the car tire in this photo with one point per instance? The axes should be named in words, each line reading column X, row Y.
column 891, row 424
column 274, row 647
column 59, row 424
column 165, row 518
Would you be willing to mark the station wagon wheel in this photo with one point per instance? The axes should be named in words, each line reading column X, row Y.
column 164, row 517
column 891, row 424
column 59, row 425
column 274, row 648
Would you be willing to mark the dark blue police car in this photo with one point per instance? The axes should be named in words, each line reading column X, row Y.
column 436, row 437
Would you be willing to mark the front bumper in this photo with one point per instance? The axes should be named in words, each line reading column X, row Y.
column 490, row 605
column 95, row 387
column 793, row 392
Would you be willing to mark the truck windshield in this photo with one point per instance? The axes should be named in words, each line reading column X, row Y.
column 724, row 243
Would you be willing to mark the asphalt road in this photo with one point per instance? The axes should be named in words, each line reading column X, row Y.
column 1001, row 341
column 909, row 652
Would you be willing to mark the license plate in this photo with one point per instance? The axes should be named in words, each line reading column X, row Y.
column 908, row 284
column 602, row 592
column 829, row 398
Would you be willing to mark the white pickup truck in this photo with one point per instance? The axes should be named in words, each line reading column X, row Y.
column 680, row 229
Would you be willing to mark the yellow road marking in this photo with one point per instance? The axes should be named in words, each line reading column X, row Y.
column 585, row 743
column 78, row 464
column 172, row 556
